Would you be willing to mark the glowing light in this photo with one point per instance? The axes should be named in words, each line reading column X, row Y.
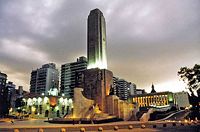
column 10, row 110
column 53, row 92
column 56, row 108
column 98, row 64
column 70, row 102
column 24, row 99
column 48, row 107
column 61, row 100
column 46, row 99
column 66, row 101
column 29, row 102
column 34, row 100
column 39, row 100
column 53, row 101
column 170, row 98
column 33, row 109
column 185, row 121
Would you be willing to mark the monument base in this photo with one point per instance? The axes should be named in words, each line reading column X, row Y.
column 92, row 101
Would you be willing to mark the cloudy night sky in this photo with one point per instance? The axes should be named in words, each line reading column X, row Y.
column 147, row 40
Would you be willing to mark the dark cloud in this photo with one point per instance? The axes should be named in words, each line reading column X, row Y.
column 149, row 40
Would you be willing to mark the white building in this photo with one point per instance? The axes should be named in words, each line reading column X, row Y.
column 181, row 99
column 44, row 79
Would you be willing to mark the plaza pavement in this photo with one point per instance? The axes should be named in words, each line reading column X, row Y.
column 33, row 125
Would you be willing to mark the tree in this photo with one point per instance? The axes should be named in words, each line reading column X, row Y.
column 191, row 76
column 18, row 104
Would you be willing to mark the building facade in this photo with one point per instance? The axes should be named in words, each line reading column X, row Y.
column 10, row 86
column 3, row 93
column 38, row 106
column 3, row 79
column 132, row 89
column 44, row 79
column 69, row 73
column 181, row 99
column 123, row 89
column 160, row 99
column 96, row 41
column 140, row 91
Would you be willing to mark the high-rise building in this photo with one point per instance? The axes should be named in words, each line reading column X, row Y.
column 132, row 89
column 10, row 86
column 3, row 79
column 69, row 73
column 44, row 79
column 123, row 89
column 3, row 93
column 96, row 41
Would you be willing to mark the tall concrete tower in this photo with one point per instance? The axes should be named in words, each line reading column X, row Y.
column 96, row 41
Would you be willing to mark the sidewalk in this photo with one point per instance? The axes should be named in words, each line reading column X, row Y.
column 4, row 120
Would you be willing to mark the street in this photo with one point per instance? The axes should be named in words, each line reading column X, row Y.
column 33, row 125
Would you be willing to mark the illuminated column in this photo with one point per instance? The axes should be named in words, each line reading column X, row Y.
column 149, row 101
column 96, row 41
column 167, row 99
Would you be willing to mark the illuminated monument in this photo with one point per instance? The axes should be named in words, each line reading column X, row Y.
column 92, row 99
column 96, row 41
column 97, row 79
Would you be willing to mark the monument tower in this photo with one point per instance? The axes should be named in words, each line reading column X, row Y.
column 96, row 41
column 92, row 97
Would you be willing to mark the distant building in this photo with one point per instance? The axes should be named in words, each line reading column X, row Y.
column 3, row 79
column 114, row 87
column 181, row 99
column 3, row 93
column 132, row 89
column 160, row 99
column 153, row 89
column 20, row 91
column 122, row 88
column 69, row 73
column 10, row 86
column 44, row 79
column 140, row 91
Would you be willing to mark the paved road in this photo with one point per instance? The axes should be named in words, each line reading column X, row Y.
column 180, row 115
column 34, row 125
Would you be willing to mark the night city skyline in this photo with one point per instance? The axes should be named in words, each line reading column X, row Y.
column 147, row 41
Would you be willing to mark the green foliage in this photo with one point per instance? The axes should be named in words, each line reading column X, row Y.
column 191, row 76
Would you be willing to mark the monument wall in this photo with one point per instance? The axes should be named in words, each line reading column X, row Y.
column 82, row 105
column 97, row 84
